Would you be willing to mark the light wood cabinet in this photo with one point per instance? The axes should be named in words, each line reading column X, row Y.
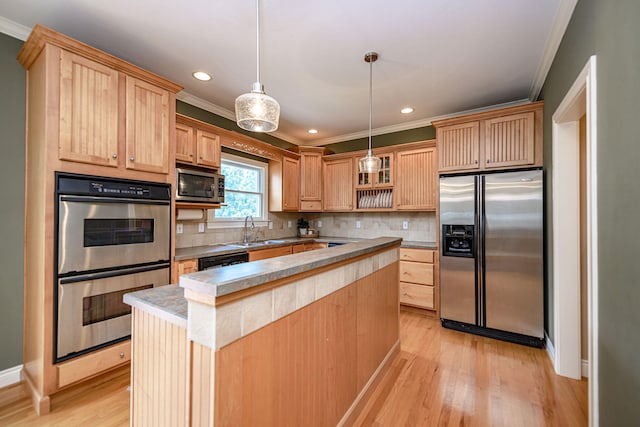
column 500, row 139
column 88, row 111
column 338, row 184
column 147, row 124
column 187, row 266
column 284, row 178
column 197, row 143
column 418, row 278
column 311, row 179
column 269, row 253
column 416, row 179
column 384, row 177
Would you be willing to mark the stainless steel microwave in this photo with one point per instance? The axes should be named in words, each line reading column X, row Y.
column 199, row 187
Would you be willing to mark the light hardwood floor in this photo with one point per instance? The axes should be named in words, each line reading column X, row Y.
column 440, row 378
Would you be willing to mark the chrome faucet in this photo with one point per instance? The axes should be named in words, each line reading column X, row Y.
column 245, row 238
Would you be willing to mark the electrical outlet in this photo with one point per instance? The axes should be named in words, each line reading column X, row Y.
column 179, row 228
column 289, row 224
column 201, row 227
column 319, row 223
column 270, row 225
column 405, row 225
column 358, row 224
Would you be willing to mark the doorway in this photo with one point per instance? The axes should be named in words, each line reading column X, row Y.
column 579, row 103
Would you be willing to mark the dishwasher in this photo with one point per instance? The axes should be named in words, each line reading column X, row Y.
column 217, row 261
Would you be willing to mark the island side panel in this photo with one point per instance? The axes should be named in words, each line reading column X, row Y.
column 159, row 372
column 308, row 367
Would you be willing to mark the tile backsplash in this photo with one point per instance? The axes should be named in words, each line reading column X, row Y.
column 421, row 227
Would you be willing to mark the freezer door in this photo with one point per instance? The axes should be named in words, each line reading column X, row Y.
column 457, row 274
column 513, row 252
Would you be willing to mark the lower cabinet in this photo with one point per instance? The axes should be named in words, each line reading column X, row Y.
column 269, row 253
column 418, row 283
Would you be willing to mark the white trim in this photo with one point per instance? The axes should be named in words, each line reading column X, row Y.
column 585, row 368
column 551, row 351
column 235, row 223
column 560, row 24
column 223, row 112
column 14, row 29
column 10, row 376
column 580, row 97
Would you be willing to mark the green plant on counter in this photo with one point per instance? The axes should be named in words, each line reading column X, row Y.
column 303, row 223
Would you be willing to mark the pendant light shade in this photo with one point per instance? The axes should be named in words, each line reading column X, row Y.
column 256, row 111
column 370, row 163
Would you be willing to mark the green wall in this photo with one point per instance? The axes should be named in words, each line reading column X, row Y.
column 12, row 124
column 609, row 29
column 412, row 135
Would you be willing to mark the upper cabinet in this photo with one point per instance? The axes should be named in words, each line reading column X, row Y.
column 284, row 184
column 384, row 177
column 416, row 178
column 98, row 110
column 311, row 181
column 500, row 139
column 197, row 143
column 337, row 174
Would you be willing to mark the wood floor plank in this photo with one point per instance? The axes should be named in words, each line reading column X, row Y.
column 439, row 378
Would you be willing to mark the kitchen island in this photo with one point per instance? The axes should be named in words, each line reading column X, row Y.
column 293, row 340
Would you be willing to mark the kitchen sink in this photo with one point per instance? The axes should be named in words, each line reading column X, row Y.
column 255, row 244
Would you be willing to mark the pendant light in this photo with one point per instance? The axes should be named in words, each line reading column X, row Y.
column 256, row 111
column 370, row 163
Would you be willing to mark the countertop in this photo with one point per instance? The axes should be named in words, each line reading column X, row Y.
column 166, row 302
column 225, row 249
column 233, row 278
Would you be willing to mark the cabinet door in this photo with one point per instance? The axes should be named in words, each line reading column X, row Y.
column 338, row 184
column 184, row 143
column 311, row 176
column 147, row 121
column 187, row 266
column 290, row 184
column 416, row 179
column 509, row 141
column 269, row 253
column 88, row 111
column 458, row 147
column 207, row 149
column 384, row 177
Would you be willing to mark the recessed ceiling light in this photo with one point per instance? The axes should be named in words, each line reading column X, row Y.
column 202, row 76
column 313, row 131
column 406, row 110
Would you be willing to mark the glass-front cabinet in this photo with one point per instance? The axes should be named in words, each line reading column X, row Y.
column 375, row 190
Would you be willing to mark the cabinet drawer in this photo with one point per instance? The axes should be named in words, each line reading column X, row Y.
column 417, row 295
column 93, row 363
column 417, row 255
column 269, row 253
column 416, row 272
column 314, row 206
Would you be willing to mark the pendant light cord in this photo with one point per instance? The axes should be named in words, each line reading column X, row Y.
column 258, row 40
column 370, row 100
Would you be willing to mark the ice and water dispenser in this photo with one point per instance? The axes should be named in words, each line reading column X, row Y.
column 458, row 240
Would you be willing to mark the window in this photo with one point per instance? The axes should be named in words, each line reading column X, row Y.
column 245, row 189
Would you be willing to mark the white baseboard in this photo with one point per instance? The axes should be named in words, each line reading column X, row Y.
column 10, row 376
column 551, row 351
column 585, row 368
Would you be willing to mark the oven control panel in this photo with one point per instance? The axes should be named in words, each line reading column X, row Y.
column 82, row 185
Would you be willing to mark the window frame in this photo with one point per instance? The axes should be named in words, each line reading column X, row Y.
column 263, row 219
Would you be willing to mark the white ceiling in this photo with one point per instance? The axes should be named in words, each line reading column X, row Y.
column 437, row 56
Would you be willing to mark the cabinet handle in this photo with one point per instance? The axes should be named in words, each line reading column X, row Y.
column 190, row 155
column 122, row 355
column 115, row 156
column 132, row 158
column 476, row 162
column 488, row 160
column 200, row 157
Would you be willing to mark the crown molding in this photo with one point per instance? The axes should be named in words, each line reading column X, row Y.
column 412, row 125
column 14, row 29
column 223, row 112
column 559, row 27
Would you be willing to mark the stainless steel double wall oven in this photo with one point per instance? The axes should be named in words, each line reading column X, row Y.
column 113, row 237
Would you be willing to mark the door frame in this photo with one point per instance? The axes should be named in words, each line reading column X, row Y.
column 580, row 99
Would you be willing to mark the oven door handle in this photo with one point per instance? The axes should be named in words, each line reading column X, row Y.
column 112, row 200
column 112, row 273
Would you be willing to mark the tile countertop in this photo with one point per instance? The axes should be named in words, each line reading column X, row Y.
column 166, row 302
column 225, row 249
column 233, row 278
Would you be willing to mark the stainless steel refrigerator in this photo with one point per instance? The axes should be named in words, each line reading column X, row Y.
column 491, row 257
